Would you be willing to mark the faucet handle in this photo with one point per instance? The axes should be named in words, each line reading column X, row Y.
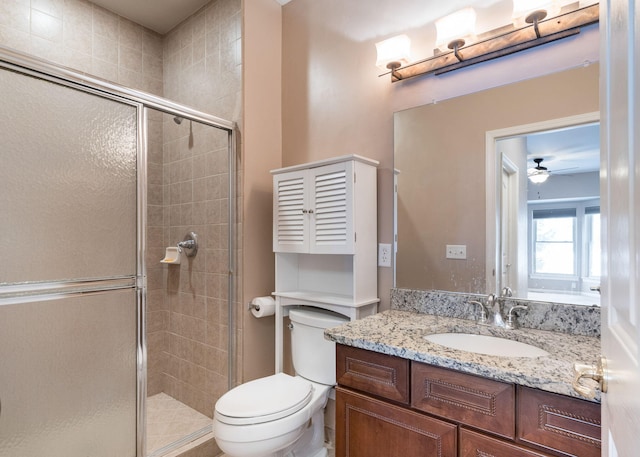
column 483, row 312
column 506, row 292
column 511, row 322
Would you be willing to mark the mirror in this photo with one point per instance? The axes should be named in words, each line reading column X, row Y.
column 441, row 160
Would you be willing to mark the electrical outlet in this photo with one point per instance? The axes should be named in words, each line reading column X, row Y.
column 456, row 251
column 384, row 255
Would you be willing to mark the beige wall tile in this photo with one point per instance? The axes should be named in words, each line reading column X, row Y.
column 50, row 7
column 46, row 26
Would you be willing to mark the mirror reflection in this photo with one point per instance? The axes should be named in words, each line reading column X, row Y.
column 549, row 236
column 444, row 212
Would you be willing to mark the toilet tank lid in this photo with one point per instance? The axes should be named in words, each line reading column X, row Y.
column 319, row 318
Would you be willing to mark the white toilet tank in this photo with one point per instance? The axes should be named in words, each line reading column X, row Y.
column 314, row 358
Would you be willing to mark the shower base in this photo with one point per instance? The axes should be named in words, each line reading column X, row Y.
column 174, row 428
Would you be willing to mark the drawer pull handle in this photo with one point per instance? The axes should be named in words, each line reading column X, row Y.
column 596, row 372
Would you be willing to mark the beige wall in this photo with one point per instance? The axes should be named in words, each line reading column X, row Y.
column 262, row 139
column 441, row 144
column 334, row 102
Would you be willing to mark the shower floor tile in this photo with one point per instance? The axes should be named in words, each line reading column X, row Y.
column 169, row 420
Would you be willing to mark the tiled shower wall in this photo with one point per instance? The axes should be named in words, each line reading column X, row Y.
column 202, row 68
column 86, row 37
column 197, row 64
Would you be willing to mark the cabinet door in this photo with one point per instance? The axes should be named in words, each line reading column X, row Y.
column 568, row 426
column 473, row 444
column 366, row 427
column 331, row 212
column 291, row 212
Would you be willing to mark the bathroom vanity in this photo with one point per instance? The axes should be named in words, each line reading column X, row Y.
column 400, row 394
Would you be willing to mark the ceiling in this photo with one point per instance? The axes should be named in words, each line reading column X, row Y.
column 158, row 15
column 566, row 151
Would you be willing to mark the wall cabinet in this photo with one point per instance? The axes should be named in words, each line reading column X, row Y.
column 325, row 238
column 313, row 210
column 489, row 418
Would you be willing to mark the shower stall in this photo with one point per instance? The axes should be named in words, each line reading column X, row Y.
column 103, row 348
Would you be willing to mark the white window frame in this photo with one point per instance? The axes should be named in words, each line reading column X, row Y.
column 563, row 282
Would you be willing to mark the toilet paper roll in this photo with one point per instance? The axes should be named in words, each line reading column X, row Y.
column 263, row 306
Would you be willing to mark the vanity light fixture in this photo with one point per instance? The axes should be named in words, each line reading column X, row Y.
column 501, row 41
column 393, row 53
column 533, row 11
column 456, row 30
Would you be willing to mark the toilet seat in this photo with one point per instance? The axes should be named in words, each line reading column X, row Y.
column 264, row 400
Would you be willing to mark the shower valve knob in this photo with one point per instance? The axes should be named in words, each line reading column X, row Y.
column 190, row 243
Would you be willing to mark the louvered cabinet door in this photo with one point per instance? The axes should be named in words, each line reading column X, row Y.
column 331, row 228
column 291, row 212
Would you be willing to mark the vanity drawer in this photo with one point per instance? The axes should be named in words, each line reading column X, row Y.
column 569, row 426
column 468, row 399
column 377, row 374
column 473, row 444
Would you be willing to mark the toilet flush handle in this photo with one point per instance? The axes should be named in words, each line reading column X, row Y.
column 290, row 326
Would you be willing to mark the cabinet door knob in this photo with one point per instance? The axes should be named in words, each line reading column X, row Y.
column 310, row 211
column 304, row 211
column 596, row 372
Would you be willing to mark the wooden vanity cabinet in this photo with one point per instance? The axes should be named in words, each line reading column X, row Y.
column 369, row 427
column 389, row 406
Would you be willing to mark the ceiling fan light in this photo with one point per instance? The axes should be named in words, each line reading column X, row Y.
column 538, row 176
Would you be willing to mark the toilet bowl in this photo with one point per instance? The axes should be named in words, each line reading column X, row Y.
column 283, row 415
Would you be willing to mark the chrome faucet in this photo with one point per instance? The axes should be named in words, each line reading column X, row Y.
column 490, row 311
column 493, row 306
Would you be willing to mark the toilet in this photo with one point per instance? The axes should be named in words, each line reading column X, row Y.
column 283, row 415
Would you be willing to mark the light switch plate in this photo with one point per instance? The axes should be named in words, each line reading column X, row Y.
column 456, row 251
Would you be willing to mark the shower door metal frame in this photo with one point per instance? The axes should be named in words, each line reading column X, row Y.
column 28, row 65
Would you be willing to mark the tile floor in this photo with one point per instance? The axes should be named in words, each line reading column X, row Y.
column 169, row 420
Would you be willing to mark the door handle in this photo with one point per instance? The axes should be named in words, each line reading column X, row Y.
column 597, row 373
column 595, row 289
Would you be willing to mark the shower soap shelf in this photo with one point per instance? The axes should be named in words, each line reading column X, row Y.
column 172, row 255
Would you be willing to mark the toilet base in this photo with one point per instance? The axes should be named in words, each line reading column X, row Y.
column 311, row 443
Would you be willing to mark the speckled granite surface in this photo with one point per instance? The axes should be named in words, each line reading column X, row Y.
column 554, row 317
column 400, row 333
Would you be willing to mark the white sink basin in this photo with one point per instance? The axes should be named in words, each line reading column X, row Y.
column 483, row 344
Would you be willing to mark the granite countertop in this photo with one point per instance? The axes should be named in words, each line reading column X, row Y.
column 400, row 333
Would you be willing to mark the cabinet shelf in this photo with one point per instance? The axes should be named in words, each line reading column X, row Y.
column 328, row 298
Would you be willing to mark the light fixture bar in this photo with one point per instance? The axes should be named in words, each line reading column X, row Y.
column 505, row 43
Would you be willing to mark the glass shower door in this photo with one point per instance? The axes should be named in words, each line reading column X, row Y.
column 69, row 286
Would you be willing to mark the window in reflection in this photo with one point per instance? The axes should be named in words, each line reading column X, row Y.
column 554, row 242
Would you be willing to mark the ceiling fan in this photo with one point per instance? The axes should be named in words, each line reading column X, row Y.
column 538, row 174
